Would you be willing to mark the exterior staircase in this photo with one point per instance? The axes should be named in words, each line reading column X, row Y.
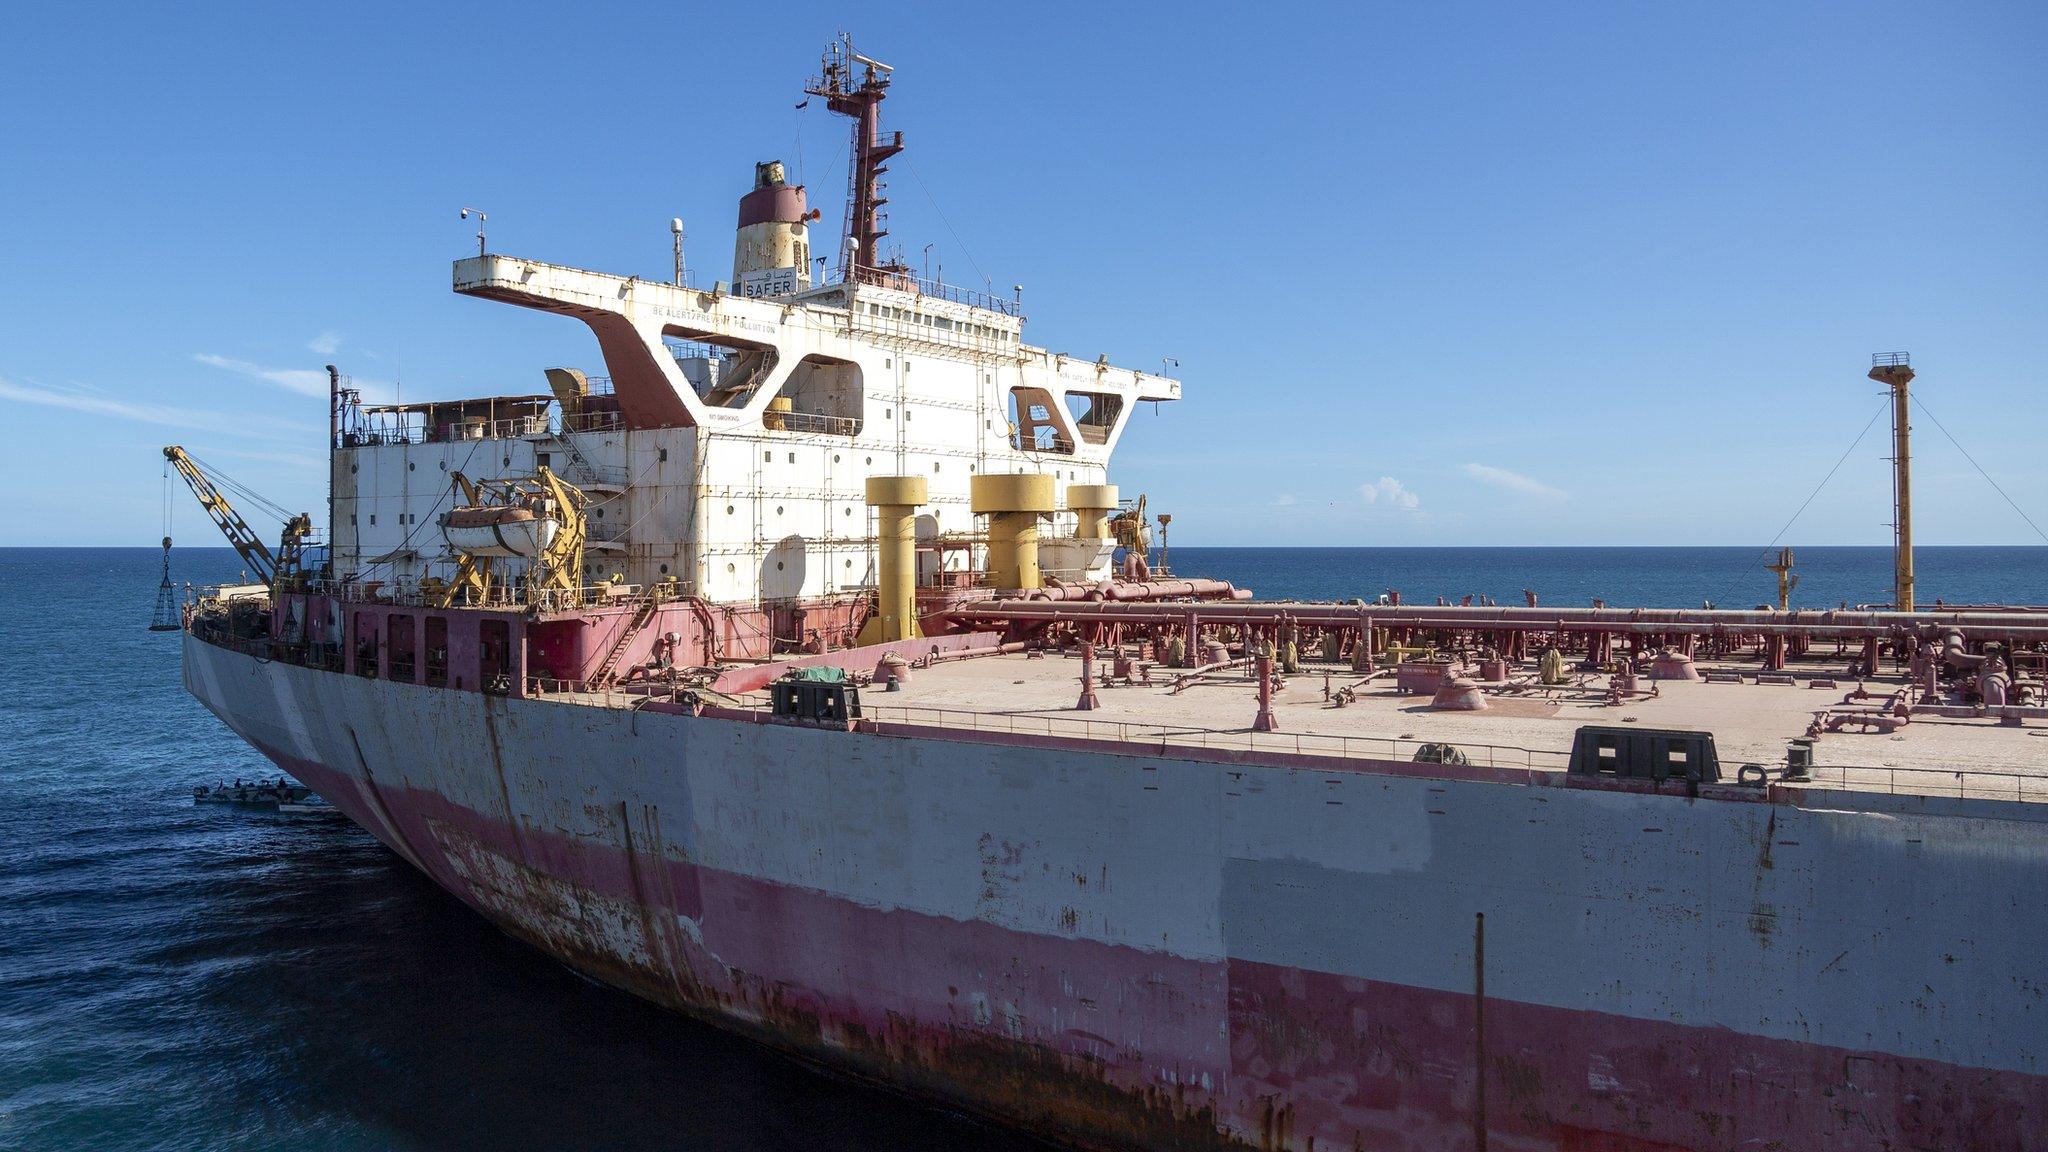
column 608, row 672
column 588, row 474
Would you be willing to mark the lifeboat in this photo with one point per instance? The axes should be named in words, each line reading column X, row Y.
column 500, row 530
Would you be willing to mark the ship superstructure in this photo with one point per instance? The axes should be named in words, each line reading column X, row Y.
column 727, row 448
column 805, row 673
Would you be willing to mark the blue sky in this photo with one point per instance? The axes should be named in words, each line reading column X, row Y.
column 1435, row 274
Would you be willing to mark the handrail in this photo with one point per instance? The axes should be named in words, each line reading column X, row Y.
column 593, row 422
column 905, row 282
column 810, row 422
column 502, row 596
column 1992, row 784
column 1229, row 739
column 447, row 432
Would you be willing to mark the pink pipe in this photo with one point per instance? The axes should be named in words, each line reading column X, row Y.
column 1125, row 591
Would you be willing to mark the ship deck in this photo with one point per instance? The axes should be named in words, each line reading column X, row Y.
column 1525, row 727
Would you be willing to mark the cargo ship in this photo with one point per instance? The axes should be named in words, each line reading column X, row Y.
column 805, row 672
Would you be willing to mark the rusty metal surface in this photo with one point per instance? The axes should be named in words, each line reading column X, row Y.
column 1144, row 952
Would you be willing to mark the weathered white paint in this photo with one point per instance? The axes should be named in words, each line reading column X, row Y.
column 1904, row 925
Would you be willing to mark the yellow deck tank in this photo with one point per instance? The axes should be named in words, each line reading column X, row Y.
column 1013, row 504
column 895, row 500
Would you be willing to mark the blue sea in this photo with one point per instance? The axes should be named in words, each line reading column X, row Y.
column 181, row 977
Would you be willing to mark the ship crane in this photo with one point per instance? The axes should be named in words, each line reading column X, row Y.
column 285, row 564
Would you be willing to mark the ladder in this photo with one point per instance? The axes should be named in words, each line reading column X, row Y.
column 608, row 672
column 584, row 466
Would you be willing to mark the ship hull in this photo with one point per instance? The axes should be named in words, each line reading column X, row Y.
column 1127, row 950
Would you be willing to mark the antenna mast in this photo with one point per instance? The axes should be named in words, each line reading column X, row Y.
column 860, row 99
column 1895, row 369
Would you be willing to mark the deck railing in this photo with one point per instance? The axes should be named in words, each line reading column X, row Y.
column 810, row 422
column 1168, row 736
column 905, row 282
column 1959, row 783
column 1963, row 783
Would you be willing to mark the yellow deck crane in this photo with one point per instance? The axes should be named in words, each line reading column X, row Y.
column 284, row 566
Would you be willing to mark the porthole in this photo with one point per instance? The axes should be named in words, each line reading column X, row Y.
column 935, row 465
column 731, row 568
column 792, row 457
column 508, row 461
column 835, row 457
column 767, row 457
column 664, row 569
column 410, row 466
column 778, row 565
column 352, row 469
column 778, row 509
column 847, row 511
column 871, row 460
column 849, row 563
column 728, row 509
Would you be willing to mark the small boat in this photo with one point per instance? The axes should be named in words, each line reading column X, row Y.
column 253, row 794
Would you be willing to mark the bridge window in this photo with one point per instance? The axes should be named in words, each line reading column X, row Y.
column 1095, row 414
column 1032, row 426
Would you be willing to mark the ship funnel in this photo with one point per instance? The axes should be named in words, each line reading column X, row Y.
column 772, row 253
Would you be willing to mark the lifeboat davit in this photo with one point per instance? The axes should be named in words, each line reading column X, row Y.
column 499, row 530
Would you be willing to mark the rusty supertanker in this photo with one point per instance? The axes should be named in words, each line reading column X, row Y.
column 807, row 675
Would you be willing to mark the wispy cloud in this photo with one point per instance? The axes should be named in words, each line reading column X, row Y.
column 1513, row 481
column 305, row 381
column 1390, row 493
column 325, row 344
column 98, row 403
column 1283, row 500
column 298, row 460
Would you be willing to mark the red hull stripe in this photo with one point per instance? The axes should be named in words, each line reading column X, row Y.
column 1272, row 1056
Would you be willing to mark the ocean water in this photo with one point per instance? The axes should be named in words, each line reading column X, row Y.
column 181, row 977
column 1623, row 577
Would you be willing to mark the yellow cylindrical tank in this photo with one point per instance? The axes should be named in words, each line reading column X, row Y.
column 1013, row 503
column 1091, row 505
column 895, row 500
column 775, row 418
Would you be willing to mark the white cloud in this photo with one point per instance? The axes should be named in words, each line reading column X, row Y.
column 305, row 381
column 291, row 459
column 1283, row 500
column 98, row 403
column 1390, row 492
column 326, row 343
column 1513, row 481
